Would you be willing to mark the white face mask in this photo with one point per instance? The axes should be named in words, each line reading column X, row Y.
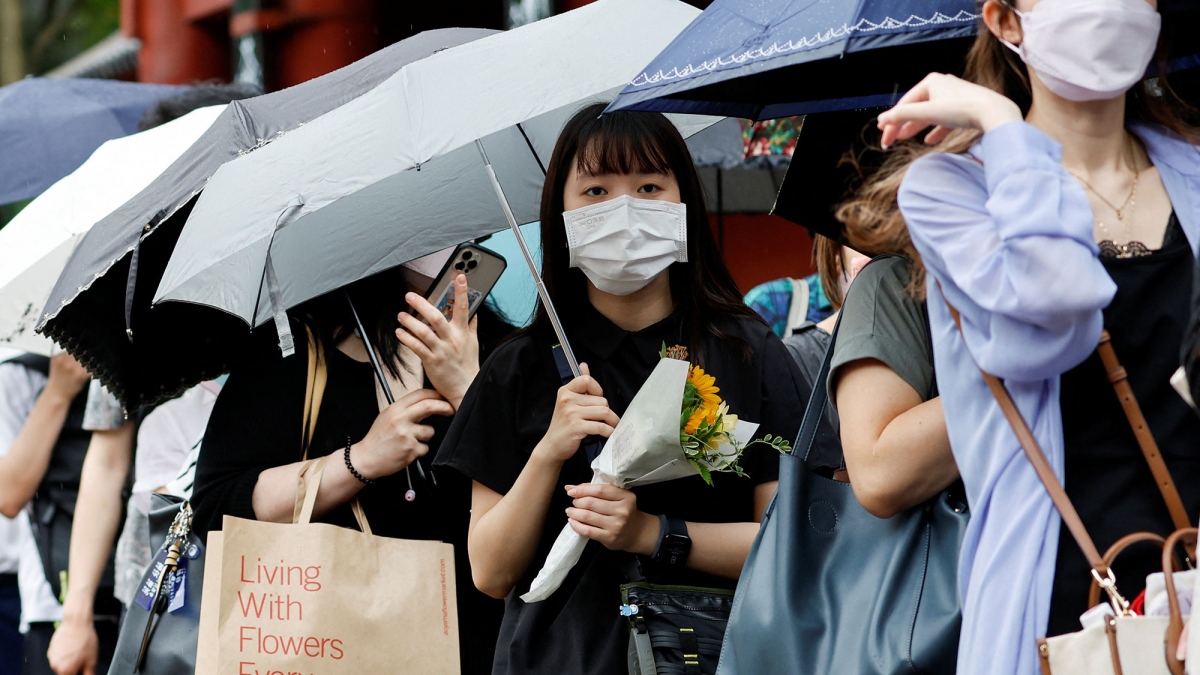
column 1089, row 50
column 623, row 243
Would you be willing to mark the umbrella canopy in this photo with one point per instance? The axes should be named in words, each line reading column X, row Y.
column 53, row 125
column 820, row 180
column 779, row 58
column 35, row 246
column 86, row 311
column 734, row 181
column 400, row 173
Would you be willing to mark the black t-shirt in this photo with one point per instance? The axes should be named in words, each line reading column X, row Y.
column 256, row 425
column 1107, row 477
column 507, row 411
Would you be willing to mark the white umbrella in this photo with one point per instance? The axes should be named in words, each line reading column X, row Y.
column 35, row 245
column 411, row 167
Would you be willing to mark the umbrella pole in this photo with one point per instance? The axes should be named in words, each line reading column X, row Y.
column 533, row 268
column 376, row 366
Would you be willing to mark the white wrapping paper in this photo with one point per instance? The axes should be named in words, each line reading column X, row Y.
column 643, row 449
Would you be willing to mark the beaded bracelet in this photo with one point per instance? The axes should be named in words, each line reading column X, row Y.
column 350, row 467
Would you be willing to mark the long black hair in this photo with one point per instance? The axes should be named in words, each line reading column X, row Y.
column 636, row 142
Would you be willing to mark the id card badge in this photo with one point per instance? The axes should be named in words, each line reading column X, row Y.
column 177, row 587
column 145, row 593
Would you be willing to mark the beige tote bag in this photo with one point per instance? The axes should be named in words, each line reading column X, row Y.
column 316, row 598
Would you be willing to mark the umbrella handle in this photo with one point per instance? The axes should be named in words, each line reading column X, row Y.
column 378, row 368
column 533, row 268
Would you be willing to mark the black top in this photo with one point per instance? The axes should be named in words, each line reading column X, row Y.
column 1107, row 477
column 256, row 425
column 507, row 411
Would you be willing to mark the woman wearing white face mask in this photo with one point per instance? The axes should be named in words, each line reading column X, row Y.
column 1065, row 199
column 630, row 263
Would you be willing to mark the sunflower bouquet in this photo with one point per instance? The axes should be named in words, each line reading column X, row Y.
column 706, row 427
column 675, row 427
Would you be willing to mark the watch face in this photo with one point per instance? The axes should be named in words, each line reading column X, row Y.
column 675, row 549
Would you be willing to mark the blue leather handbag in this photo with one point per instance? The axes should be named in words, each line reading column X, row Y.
column 830, row 588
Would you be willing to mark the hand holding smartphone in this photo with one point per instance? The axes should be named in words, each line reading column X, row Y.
column 482, row 269
column 447, row 344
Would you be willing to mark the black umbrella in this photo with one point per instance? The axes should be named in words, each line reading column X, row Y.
column 832, row 154
column 99, row 310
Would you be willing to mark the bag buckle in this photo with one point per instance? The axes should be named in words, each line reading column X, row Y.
column 1109, row 583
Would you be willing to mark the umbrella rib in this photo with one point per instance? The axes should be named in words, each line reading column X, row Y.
column 529, row 143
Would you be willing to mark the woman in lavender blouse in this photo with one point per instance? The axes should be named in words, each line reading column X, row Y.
column 1056, row 194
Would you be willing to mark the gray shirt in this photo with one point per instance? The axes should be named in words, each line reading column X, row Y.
column 881, row 320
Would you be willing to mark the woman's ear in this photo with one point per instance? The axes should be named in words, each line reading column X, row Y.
column 1002, row 21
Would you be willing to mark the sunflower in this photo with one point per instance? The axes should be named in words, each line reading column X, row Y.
column 705, row 413
column 705, row 388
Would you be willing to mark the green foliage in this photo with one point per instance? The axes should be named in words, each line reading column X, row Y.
column 57, row 31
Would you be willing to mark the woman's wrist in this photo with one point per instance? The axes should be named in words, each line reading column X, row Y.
column 648, row 533
column 995, row 116
column 458, row 390
column 546, row 456
column 360, row 461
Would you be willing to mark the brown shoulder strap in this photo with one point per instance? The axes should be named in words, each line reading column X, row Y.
column 314, row 391
column 1036, row 457
column 1120, row 382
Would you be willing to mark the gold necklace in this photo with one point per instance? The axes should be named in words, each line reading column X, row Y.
column 1130, row 201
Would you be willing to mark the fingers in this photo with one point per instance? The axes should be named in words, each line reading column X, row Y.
column 462, row 301
column 420, row 330
column 413, row 397
column 585, row 530
column 594, row 519
column 425, row 408
column 601, row 491
column 602, row 414
column 586, row 401
column 598, row 429
column 593, row 505
column 937, row 134
column 584, row 384
column 417, row 346
column 474, row 325
column 427, row 311
column 423, row 432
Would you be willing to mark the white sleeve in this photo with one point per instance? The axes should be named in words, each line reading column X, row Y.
column 19, row 389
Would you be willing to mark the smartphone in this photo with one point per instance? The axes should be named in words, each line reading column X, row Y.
column 482, row 268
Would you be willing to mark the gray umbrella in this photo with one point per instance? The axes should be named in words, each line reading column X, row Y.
column 450, row 148
column 99, row 304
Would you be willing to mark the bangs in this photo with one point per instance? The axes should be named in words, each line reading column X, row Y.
column 622, row 143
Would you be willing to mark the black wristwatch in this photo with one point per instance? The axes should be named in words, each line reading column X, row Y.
column 674, row 544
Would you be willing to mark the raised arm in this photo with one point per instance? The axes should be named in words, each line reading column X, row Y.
column 24, row 464
column 1010, row 241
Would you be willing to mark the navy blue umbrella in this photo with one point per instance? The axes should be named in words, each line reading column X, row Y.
column 49, row 127
column 764, row 59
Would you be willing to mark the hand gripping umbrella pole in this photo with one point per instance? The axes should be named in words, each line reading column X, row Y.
column 387, row 392
column 533, row 267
